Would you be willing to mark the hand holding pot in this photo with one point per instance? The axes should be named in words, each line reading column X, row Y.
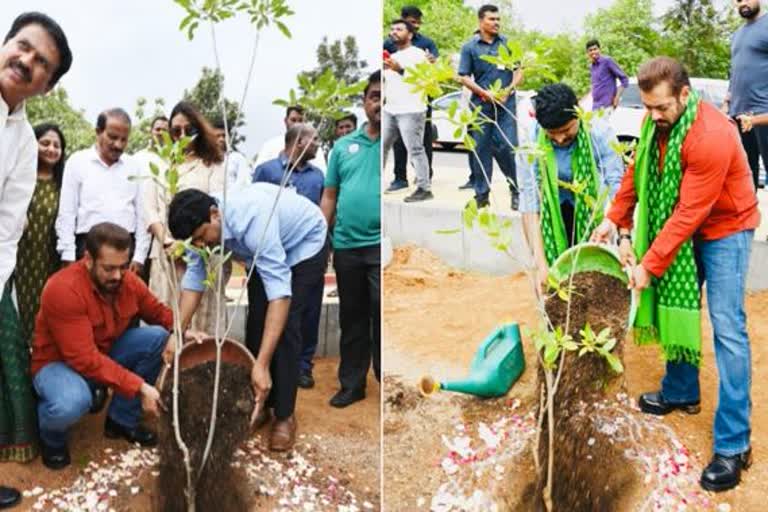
column 603, row 233
column 150, row 399
column 641, row 278
column 627, row 253
column 261, row 381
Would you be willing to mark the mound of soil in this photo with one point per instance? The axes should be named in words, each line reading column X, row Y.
column 589, row 473
column 398, row 397
column 219, row 487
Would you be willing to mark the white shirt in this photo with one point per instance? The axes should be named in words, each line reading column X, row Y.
column 93, row 192
column 18, row 175
column 239, row 170
column 274, row 146
column 398, row 98
column 143, row 158
column 192, row 174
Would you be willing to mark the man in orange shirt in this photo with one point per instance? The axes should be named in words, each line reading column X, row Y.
column 82, row 338
column 696, row 214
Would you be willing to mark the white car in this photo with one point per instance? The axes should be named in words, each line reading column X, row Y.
column 443, row 131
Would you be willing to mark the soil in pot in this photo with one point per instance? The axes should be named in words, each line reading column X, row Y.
column 220, row 486
column 589, row 472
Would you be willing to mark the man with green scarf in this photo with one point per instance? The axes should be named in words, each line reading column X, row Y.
column 572, row 158
column 695, row 208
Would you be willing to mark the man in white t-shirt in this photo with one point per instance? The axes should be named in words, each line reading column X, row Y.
column 239, row 170
column 274, row 146
column 405, row 111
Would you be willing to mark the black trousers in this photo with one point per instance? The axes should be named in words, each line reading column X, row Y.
column 401, row 155
column 755, row 144
column 284, row 367
column 568, row 213
column 358, row 277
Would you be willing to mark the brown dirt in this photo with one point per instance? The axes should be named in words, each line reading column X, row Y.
column 596, row 299
column 342, row 444
column 602, row 302
column 219, row 485
column 434, row 318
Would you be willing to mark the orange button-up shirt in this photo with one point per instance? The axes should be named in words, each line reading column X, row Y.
column 77, row 325
column 717, row 196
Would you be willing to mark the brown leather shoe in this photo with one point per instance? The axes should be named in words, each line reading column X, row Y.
column 283, row 434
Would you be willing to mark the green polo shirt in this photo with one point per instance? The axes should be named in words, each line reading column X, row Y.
column 355, row 170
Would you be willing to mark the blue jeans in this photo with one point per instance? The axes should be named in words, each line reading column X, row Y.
column 310, row 326
column 65, row 395
column 723, row 265
column 494, row 142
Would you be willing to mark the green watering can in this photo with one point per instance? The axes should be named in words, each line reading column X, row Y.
column 592, row 257
column 497, row 364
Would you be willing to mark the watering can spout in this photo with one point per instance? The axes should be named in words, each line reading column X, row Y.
column 498, row 363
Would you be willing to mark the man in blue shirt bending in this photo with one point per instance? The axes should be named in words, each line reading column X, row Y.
column 293, row 170
column 284, row 235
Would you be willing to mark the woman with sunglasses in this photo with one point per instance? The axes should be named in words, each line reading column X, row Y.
column 204, row 170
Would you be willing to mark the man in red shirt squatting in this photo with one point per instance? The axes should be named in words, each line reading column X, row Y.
column 82, row 339
column 696, row 211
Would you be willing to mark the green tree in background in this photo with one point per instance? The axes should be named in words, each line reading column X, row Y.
column 698, row 33
column 206, row 95
column 449, row 23
column 342, row 58
column 55, row 108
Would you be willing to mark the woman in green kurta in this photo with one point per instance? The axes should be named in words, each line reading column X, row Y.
column 36, row 261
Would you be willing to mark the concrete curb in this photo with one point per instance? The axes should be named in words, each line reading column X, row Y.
column 469, row 249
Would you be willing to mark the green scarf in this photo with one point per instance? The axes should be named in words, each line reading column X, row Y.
column 553, row 234
column 669, row 309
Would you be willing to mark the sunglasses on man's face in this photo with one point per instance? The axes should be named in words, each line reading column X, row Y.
column 181, row 131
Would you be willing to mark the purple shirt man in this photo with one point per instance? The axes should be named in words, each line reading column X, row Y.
column 604, row 71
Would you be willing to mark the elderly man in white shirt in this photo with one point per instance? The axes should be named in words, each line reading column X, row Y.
column 101, row 184
column 34, row 56
column 274, row 146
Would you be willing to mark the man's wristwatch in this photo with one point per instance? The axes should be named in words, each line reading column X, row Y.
column 625, row 236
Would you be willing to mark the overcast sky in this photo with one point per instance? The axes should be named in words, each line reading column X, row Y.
column 126, row 49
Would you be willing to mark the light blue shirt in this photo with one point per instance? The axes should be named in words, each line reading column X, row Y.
column 610, row 167
column 296, row 232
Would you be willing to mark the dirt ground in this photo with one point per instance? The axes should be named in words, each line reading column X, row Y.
column 454, row 452
column 334, row 466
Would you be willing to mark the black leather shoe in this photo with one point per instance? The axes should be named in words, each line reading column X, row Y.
column 99, row 397
column 724, row 473
column 482, row 202
column 419, row 195
column 306, row 380
column 654, row 403
column 9, row 497
column 347, row 397
column 55, row 458
column 141, row 435
column 467, row 186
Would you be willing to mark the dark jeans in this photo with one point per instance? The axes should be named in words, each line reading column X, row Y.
column 494, row 142
column 284, row 367
column 567, row 210
column 755, row 144
column 401, row 155
column 310, row 325
column 358, row 276
column 65, row 395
